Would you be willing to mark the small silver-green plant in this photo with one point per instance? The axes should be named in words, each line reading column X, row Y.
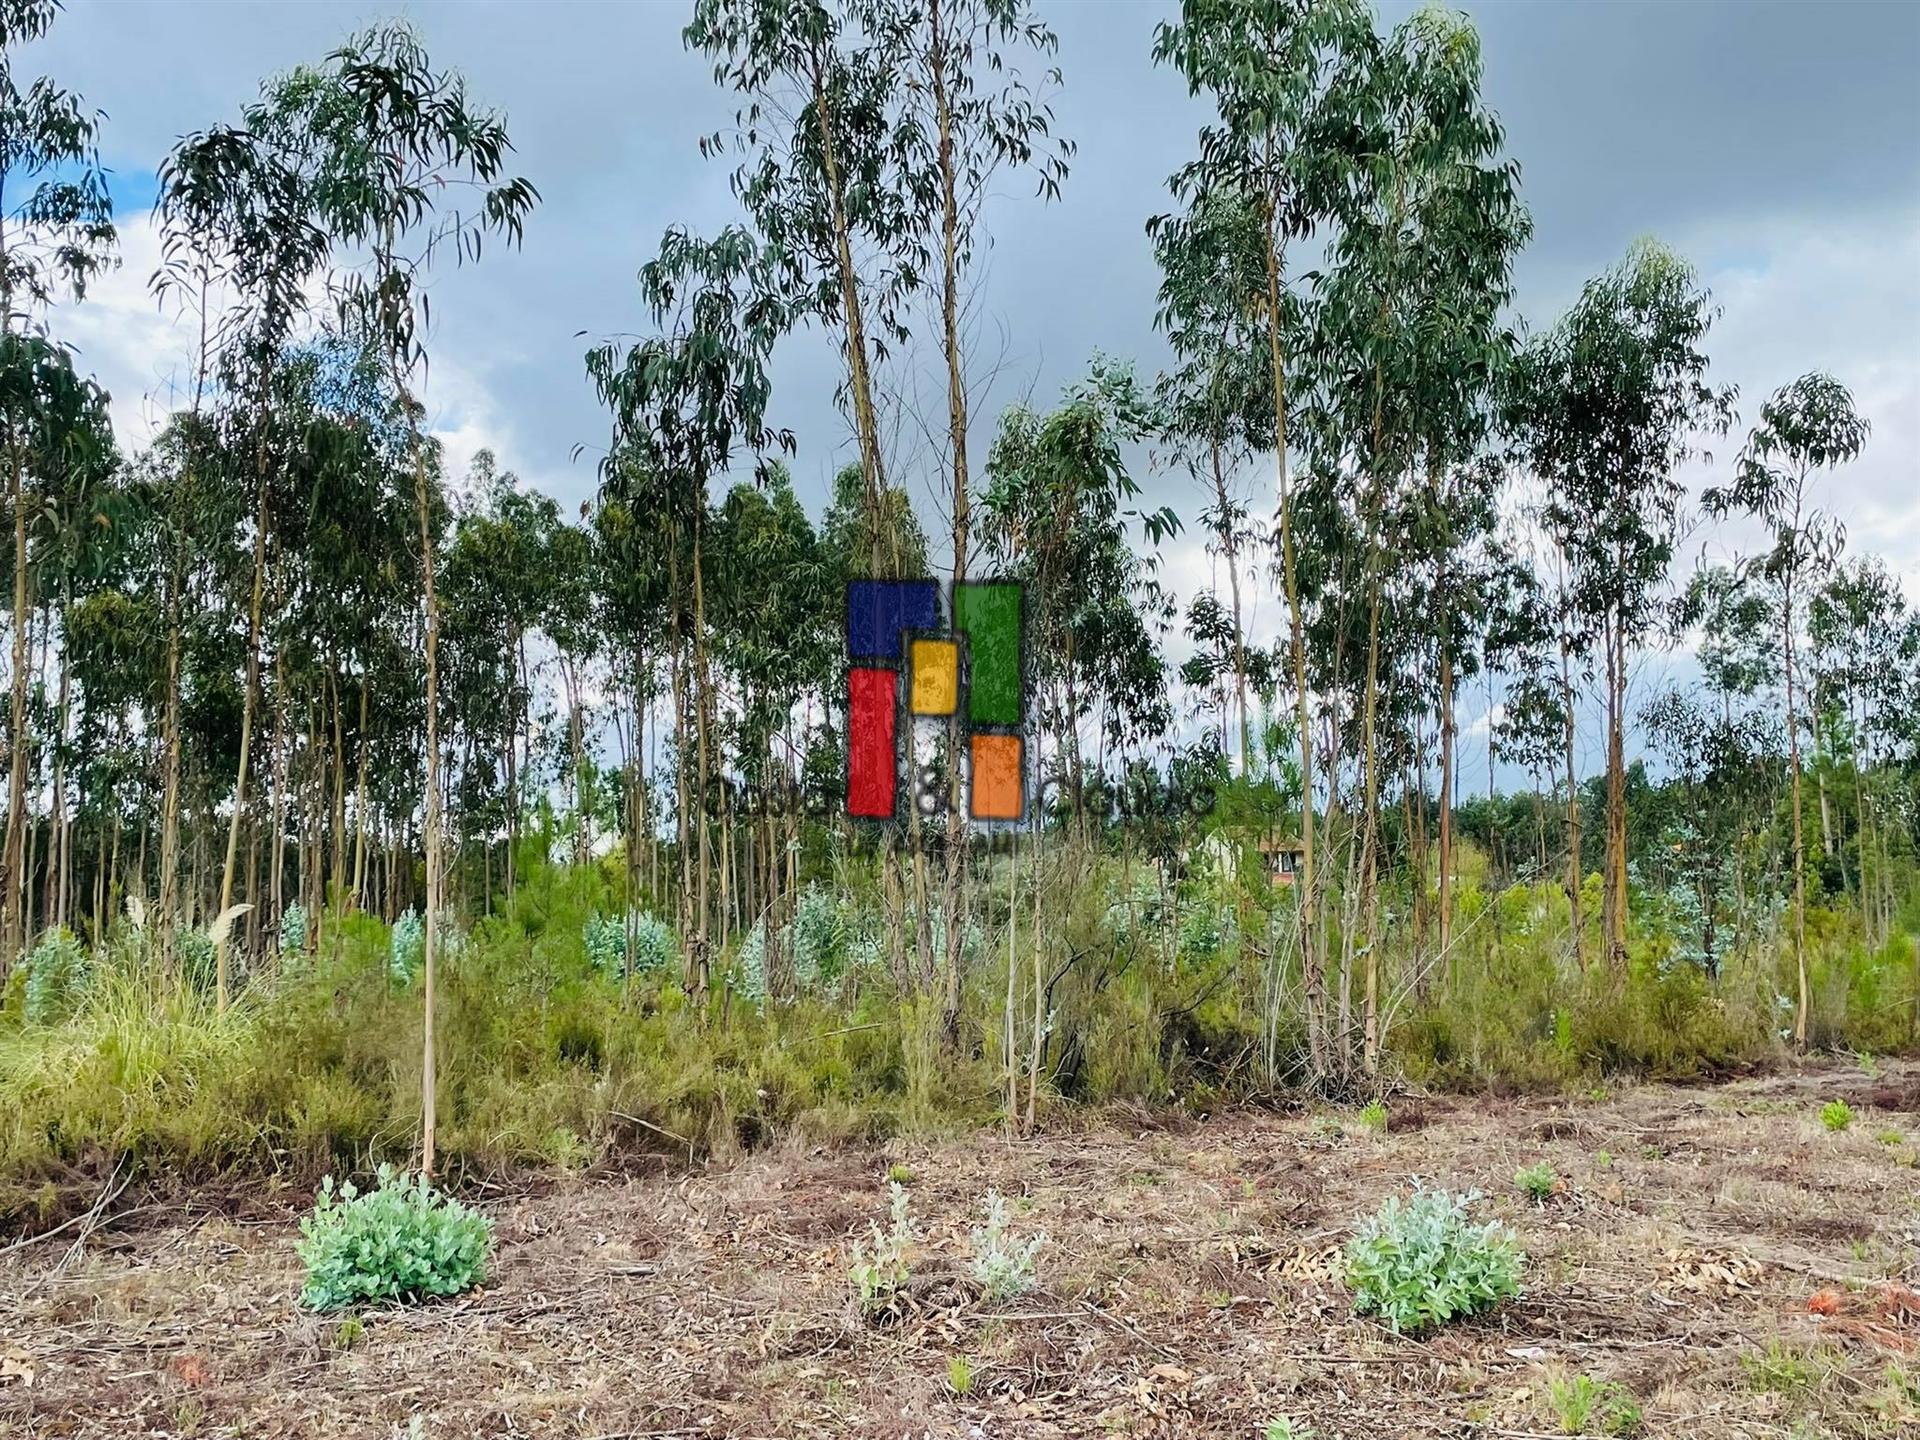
column 1538, row 1180
column 1282, row 1427
column 1003, row 1267
column 1420, row 1262
column 407, row 947
column 402, row 1241
column 878, row 1272
column 293, row 934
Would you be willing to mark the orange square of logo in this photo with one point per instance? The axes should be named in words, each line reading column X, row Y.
column 997, row 781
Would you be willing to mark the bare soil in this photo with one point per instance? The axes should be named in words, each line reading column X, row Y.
column 1739, row 1268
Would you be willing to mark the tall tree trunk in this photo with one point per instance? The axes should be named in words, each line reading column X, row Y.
column 13, row 853
column 1313, row 979
column 1613, row 907
column 248, row 701
column 958, row 827
column 702, row 704
column 169, row 896
column 1803, row 1000
column 360, row 800
column 431, row 823
column 1573, row 811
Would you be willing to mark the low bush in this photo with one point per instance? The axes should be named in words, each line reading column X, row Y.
column 1836, row 1115
column 57, row 971
column 1003, row 1267
column 879, row 1270
column 1420, row 1263
column 402, row 1241
column 1538, row 1180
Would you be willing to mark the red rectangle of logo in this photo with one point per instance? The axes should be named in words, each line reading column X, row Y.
column 873, row 709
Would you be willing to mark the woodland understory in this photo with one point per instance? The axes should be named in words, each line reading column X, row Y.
column 362, row 812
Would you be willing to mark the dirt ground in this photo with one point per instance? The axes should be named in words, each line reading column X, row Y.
column 1740, row 1269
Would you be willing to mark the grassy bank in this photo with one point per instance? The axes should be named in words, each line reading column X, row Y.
column 547, row 1059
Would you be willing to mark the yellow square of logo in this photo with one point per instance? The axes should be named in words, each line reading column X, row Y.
column 936, row 677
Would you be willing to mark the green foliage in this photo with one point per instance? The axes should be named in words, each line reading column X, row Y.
column 57, row 970
column 1836, row 1115
column 402, row 1241
column 1585, row 1406
column 1538, row 1180
column 878, row 1269
column 1781, row 1369
column 1002, row 1266
column 1422, row 1262
column 293, row 934
column 1373, row 1117
column 643, row 942
column 1282, row 1427
column 407, row 949
column 959, row 1374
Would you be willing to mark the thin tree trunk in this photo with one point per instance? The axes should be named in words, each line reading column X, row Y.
column 1799, row 839
column 1313, row 979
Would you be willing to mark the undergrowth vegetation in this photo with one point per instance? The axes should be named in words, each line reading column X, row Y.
column 566, row 1039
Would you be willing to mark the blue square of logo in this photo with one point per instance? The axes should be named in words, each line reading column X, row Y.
column 878, row 611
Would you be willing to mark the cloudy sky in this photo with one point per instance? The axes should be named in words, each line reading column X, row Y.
column 1773, row 144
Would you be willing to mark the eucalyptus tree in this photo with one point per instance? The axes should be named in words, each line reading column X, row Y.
column 1217, row 403
column 1409, row 346
column 1061, row 514
column 1805, row 427
column 776, row 612
column 1734, row 618
column 244, row 189
column 1864, row 677
column 1610, row 403
column 976, row 115
column 60, row 451
column 1267, row 65
column 1723, row 765
column 684, row 403
column 396, row 149
column 832, row 176
column 633, row 559
column 498, row 574
column 56, row 235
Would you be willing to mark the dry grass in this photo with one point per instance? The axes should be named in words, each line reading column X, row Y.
column 1189, row 1289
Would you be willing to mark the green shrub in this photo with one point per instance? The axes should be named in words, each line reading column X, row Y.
column 1538, row 1180
column 57, row 974
column 406, row 951
column 193, row 951
column 878, row 1272
column 1585, row 1406
column 646, row 940
column 1373, row 1117
column 1003, row 1267
column 293, row 933
column 1423, row 1262
column 402, row 1241
column 1836, row 1115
